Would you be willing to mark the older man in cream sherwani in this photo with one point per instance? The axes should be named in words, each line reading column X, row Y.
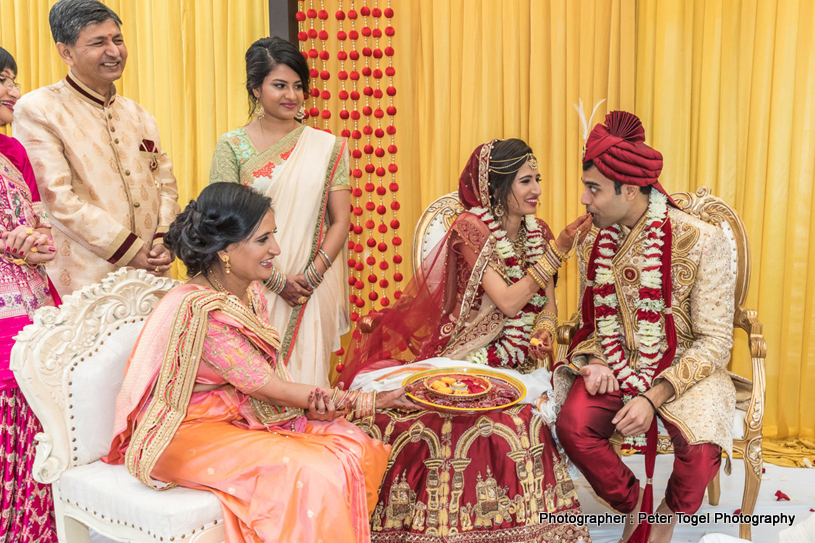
column 102, row 174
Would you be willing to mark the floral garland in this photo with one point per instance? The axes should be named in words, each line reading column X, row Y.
column 511, row 347
column 649, row 305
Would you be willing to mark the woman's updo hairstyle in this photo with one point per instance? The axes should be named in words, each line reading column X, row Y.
column 264, row 56
column 500, row 157
column 225, row 213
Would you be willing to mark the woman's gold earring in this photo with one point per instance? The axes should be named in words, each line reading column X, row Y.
column 301, row 114
column 227, row 265
column 498, row 210
column 259, row 111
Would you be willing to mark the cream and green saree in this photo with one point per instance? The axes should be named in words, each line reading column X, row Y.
column 297, row 173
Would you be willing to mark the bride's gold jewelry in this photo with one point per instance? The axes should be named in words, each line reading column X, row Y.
column 509, row 163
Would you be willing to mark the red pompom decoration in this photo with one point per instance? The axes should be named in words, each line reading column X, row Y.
column 365, row 11
column 389, row 51
column 366, row 31
column 352, row 281
column 351, row 243
column 352, row 14
column 322, row 14
column 344, row 115
column 343, row 94
column 390, row 71
column 358, row 248
column 397, row 259
column 325, row 95
column 376, row 12
column 397, row 294
column 380, row 152
column 300, row 16
column 366, row 71
column 323, row 35
column 367, row 91
column 313, row 72
column 392, row 148
column 381, row 209
column 357, row 173
column 371, row 261
column 367, row 51
column 383, row 265
column 390, row 31
column 357, row 192
column 359, row 285
column 395, row 206
column 312, row 33
column 394, row 187
column 370, row 206
column 353, row 55
column 302, row 36
column 357, row 154
column 377, row 74
column 342, row 75
column 397, row 241
column 378, row 113
column 325, row 75
column 380, row 171
column 356, row 134
column 367, row 110
column 325, row 55
column 369, row 224
column 395, row 224
column 325, row 114
column 357, row 212
column 391, row 130
column 357, row 229
column 354, row 35
column 340, row 367
column 353, row 297
column 379, row 133
column 351, row 261
column 360, row 302
column 368, row 149
column 342, row 55
column 384, row 283
column 340, row 15
column 377, row 34
column 398, row 277
column 391, row 110
column 382, row 227
column 372, row 278
column 391, row 91
column 382, row 246
column 385, row 302
column 359, row 267
column 355, row 317
column 315, row 92
column 380, row 190
column 373, row 296
column 388, row 12
column 370, row 187
column 314, row 112
column 369, row 168
column 393, row 168
column 378, row 54
column 312, row 13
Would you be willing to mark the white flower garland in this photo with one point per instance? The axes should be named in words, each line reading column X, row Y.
column 510, row 348
column 649, row 304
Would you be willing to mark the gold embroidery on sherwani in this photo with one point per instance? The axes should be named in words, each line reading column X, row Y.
column 176, row 378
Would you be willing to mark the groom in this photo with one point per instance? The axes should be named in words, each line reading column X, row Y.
column 655, row 335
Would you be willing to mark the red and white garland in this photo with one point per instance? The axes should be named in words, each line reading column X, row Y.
column 649, row 304
column 511, row 347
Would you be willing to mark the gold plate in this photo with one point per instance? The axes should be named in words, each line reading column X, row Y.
column 505, row 391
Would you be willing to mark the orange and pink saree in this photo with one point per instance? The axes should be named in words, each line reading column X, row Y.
column 279, row 477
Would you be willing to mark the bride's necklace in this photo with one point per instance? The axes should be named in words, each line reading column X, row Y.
column 519, row 244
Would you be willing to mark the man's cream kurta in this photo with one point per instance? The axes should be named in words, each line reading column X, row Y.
column 703, row 284
column 103, row 178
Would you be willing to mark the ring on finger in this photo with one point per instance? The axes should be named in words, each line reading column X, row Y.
column 321, row 412
column 29, row 231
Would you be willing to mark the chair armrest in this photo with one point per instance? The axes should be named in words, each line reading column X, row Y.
column 747, row 320
column 565, row 334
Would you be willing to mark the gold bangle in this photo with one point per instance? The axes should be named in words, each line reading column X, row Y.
column 558, row 253
column 544, row 314
column 540, row 281
column 545, row 325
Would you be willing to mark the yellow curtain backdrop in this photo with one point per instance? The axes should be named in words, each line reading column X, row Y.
column 185, row 65
column 726, row 90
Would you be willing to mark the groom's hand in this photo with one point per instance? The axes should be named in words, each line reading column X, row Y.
column 598, row 377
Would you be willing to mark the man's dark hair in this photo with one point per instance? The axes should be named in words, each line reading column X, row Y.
column 618, row 187
column 69, row 17
column 7, row 61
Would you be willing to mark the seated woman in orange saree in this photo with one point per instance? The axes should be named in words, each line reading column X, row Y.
column 279, row 456
column 481, row 298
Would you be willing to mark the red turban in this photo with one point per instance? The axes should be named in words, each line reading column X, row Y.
column 617, row 150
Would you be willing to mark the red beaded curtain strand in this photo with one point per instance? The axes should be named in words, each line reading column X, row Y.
column 361, row 69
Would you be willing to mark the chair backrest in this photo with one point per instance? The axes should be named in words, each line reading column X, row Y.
column 433, row 225
column 703, row 205
column 70, row 364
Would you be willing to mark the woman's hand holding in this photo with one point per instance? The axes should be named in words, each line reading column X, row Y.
column 295, row 290
column 320, row 407
column 540, row 345
column 580, row 227
column 28, row 244
column 395, row 399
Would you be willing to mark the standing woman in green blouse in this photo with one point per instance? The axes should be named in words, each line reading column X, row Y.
column 305, row 173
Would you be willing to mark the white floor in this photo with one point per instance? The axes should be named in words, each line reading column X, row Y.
column 797, row 483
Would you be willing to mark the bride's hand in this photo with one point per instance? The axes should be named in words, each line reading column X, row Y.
column 395, row 399
column 581, row 227
column 539, row 351
column 320, row 407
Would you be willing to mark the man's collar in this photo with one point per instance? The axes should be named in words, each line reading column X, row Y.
column 87, row 93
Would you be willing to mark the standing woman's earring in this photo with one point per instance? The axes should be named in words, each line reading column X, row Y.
column 259, row 111
column 227, row 265
column 301, row 114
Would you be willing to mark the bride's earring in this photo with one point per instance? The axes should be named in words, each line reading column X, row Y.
column 301, row 114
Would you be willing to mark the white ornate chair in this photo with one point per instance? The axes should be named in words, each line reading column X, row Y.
column 70, row 365
column 748, row 423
